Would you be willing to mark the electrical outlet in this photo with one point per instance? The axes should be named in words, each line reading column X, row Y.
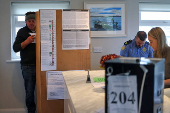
column 97, row 49
column 100, row 49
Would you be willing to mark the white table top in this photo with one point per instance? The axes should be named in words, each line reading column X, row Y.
column 86, row 98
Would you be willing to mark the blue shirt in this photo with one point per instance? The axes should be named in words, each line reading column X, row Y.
column 131, row 50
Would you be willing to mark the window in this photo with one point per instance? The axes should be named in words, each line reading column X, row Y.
column 155, row 15
column 18, row 10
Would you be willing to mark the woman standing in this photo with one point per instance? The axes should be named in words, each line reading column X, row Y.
column 157, row 39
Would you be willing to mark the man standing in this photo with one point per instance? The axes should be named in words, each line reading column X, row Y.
column 24, row 43
column 138, row 47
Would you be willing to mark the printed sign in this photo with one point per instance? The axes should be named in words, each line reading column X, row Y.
column 122, row 94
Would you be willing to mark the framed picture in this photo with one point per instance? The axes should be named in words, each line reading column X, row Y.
column 107, row 19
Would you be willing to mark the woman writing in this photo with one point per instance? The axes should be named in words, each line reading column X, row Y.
column 157, row 39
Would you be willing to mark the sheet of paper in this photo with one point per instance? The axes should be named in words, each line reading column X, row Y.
column 122, row 94
column 56, row 88
column 75, row 39
column 48, row 40
column 75, row 19
column 98, row 84
column 99, row 79
column 75, row 25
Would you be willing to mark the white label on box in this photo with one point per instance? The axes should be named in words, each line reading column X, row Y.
column 122, row 94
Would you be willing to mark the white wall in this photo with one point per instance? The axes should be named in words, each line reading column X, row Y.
column 11, row 83
column 114, row 44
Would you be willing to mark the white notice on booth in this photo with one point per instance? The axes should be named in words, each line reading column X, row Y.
column 48, row 40
column 122, row 94
column 75, row 19
column 75, row 39
column 56, row 88
column 75, row 25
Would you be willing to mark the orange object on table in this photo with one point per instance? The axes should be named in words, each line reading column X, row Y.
column 107, row 57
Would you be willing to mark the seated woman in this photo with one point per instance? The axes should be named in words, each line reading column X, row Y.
column 157, row 39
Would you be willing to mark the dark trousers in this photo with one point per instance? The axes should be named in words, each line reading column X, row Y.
column 29, row 75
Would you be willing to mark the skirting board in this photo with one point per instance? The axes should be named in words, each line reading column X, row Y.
column 15, row 110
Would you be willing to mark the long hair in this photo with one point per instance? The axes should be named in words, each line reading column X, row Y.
column 159, row 34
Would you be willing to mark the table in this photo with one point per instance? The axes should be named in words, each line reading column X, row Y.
column 84, row 98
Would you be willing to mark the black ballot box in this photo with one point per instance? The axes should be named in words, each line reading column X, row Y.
column 134, row 85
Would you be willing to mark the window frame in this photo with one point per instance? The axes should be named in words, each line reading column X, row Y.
column 19, row 8
column 153, row 23
column 15, row 24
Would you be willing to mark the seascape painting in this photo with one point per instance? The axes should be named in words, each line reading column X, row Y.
column 105, row 19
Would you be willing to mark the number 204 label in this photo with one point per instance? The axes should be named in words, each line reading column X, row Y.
column 122, row 94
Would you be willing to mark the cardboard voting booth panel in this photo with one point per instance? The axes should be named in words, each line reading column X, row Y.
column 65, row 60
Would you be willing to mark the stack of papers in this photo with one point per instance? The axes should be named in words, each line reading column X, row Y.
column 98, row 82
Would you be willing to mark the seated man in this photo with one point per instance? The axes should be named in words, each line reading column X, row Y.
column 138, row 47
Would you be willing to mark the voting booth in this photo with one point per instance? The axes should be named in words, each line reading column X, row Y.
column 134, row 85
column 62, row 43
